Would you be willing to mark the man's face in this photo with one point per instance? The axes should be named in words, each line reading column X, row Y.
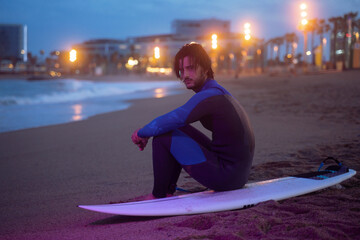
column 193, row 76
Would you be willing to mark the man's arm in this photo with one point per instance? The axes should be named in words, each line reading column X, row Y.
column 176, row 118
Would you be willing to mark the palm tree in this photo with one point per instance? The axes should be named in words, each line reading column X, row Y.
column 31, row 62
column 322, row 28
column 290, row 39
column 271, row 43
column 14, row 61
column 347, row 25
column 312, row 27
column 42, row 53
column 336, row 21
column 278, row 42
column 287, row 43
column 357, row 23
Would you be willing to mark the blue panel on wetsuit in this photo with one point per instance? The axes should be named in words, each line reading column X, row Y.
column 185, row 149
column 177, row 118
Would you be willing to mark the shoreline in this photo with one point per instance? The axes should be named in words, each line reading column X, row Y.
column 275, row 71
column 104, row 78
column 298, row 120
column 52, row 103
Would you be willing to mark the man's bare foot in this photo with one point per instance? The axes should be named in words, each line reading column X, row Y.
column 148, row 197
column 141, row 198
column 145, row 197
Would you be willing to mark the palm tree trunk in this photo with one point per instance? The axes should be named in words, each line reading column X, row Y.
column 287, row 52
column 312, row 47
column 333, row 43
column 322, row 47
column 344, row 30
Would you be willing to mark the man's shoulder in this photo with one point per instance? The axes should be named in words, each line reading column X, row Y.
column 204, row 94
column 211, row 91
column 215, row 88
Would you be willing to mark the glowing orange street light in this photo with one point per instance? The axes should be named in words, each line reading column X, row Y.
column 247, row 31
column 72, row 55
column 157, row 52
column 303, row 26
column 303, row 15
column 214, row 41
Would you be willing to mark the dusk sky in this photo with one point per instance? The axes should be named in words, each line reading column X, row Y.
column 57, row 25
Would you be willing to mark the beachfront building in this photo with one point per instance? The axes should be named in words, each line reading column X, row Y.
column 155, row 53
column 13, row 46
column 196, row 28
column 232, row 53
column 183, row 31
column 101, row 56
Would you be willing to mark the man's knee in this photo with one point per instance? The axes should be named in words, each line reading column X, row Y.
column 162, row 140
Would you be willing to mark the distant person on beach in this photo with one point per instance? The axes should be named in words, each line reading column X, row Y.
column 221, row 163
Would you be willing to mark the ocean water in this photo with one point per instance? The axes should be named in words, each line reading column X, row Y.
column 28, row 104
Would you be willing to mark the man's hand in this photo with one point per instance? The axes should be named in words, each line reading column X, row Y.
column 139, row 141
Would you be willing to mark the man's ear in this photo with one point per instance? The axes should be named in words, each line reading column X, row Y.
column 206, row 73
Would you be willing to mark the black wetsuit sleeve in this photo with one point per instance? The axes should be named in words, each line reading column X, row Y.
column 178, row 117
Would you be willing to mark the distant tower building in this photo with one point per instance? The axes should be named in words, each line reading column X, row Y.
column 196, row 28
column 13, row 41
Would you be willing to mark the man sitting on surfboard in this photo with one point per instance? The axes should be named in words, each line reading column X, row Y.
column 221, row 163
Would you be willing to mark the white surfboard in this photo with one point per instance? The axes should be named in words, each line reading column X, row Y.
column 210, row 201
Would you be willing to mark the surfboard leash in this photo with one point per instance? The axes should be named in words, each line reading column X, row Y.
column 340, row 167
column 331, row 171
column 188, row 191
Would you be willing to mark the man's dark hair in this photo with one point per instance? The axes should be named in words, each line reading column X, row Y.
column 197, row 54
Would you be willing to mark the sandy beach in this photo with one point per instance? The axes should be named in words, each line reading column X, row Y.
column 298, row 121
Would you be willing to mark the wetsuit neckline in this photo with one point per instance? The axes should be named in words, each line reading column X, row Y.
column 212, row 83
column 207, row 84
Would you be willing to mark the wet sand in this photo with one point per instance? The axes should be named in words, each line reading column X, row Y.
column 298, row 121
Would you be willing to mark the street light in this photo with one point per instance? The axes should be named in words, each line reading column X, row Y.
column 303, row 26
column 214, row 41
column 303, row 6
column 157, row 52
column 247, row 31
column 72, row 55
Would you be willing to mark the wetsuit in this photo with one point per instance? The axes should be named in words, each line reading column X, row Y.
column 222, row 163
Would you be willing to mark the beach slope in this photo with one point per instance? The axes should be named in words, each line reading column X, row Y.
column 298, row 121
